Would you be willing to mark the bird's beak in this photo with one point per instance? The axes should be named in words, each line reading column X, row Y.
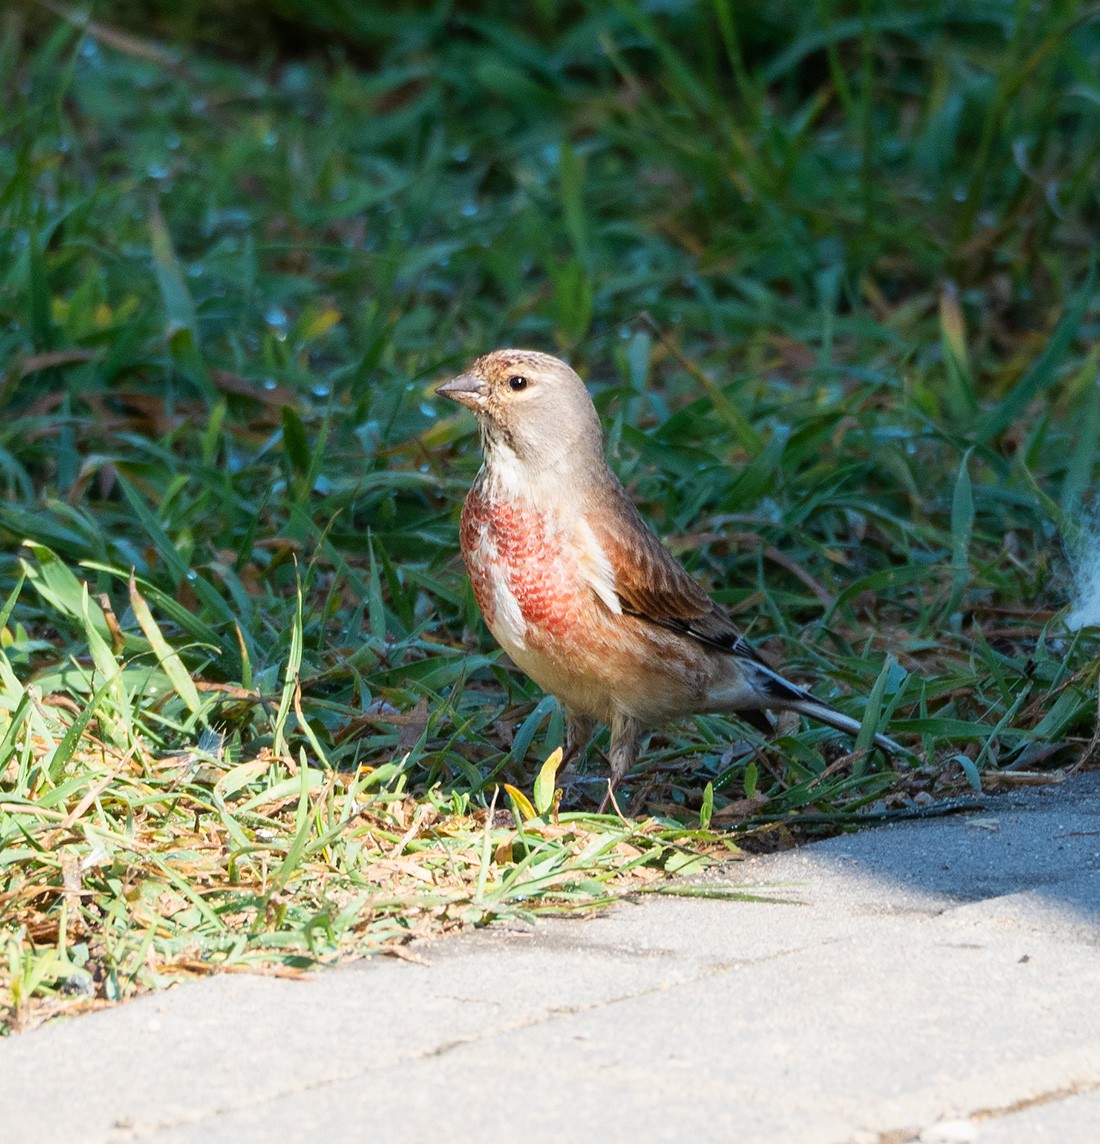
column 467, row 389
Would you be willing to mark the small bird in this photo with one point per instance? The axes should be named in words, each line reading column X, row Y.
column 576, row 587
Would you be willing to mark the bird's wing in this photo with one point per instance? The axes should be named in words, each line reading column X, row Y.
column 638, row 573
column 634, row 574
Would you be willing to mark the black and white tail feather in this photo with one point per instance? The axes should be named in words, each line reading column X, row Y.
column 782, row 695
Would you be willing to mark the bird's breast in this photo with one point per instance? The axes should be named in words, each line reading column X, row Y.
column 547, row 592
column 523, row 568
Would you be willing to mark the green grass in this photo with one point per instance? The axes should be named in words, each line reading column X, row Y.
column 830, row 271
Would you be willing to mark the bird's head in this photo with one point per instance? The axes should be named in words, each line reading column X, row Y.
column 530, row 405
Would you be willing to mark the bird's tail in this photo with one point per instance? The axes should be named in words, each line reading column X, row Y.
column 785, row 696
column 831, row 717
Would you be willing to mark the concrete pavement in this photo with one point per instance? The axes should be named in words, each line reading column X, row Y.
column 935, row 980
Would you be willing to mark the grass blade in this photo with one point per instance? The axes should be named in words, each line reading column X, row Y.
column 168, row 658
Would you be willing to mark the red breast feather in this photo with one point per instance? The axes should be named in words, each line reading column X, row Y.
column 506, row 542
column 527, row 577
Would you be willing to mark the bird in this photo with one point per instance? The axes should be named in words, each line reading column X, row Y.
column 577, row 588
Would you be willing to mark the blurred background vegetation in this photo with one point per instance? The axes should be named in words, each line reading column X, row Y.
column 830, row 269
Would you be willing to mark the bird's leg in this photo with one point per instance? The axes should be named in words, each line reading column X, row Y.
column 578, row 736
column 626, row 738
column 578, row 733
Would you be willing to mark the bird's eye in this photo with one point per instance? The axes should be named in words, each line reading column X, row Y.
column 517, row 383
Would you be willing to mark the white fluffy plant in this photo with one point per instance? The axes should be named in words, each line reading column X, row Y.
column 1086, row 578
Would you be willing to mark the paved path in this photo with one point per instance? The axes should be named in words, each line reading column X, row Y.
column 934, row 981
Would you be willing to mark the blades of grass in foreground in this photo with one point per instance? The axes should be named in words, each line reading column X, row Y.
column 962, row 527
column 61, row 755
column 167, row 656
column 290, row 677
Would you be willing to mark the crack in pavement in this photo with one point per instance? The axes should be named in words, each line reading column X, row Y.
column 1080, row 1088
column 150, row 1130
column 1052, row 1096
column 124, row 1130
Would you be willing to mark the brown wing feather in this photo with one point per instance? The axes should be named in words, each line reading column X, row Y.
column 653, row 585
